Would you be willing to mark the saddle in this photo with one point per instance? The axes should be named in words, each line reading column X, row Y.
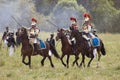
column 94, row 41
column 41, row 44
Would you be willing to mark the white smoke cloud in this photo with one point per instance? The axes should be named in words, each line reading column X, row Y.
column 19, row 9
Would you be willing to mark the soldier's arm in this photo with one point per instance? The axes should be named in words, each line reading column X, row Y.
column 37, row 32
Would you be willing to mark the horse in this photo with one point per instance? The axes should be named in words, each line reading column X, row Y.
column 27, row 49
column 83, row 44
column 66, row 48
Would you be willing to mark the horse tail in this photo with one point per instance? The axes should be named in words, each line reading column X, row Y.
column 103, row 51
column 53, row 50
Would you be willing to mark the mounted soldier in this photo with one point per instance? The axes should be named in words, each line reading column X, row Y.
column 89, row 33
column 33, row 34
column 73, row 26
column 87, row 28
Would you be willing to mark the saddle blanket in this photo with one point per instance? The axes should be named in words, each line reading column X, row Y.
column 95, row 42
column 42, row 44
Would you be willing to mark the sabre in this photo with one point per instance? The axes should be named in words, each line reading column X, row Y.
column 52, row 23
column 16, row 21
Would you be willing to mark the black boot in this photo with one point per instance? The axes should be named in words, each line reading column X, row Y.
column 73, row 47
column 35, row 48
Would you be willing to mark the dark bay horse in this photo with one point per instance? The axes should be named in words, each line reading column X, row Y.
column 27, row 49
column 66, row 48
column 82, row 43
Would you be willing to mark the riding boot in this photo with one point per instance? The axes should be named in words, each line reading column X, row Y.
column 35, row 48
column 73, row 47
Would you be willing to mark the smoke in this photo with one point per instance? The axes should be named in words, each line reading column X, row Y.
column 19, row 9
column 56, row 11
column 61, row 13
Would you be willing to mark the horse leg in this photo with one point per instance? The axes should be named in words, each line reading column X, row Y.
column 42, row 61
column 29, row 62
column 49, row 57
column 92, row 57
column 99, row 56
column 23, row 59
column 62, row 60
column 75, row 61
column 83, row 61
column 67, row 61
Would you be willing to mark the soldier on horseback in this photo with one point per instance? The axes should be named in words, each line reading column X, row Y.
column 87, row 28
column 33, row 34
column 74, row 26
column 89, row 33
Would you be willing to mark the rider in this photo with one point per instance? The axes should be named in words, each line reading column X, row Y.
column 5, row 34
column 87, row 29
column 33, row 32
column 74, row 26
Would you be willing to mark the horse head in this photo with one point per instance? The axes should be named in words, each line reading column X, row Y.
column 23, row 32
column 60, row 34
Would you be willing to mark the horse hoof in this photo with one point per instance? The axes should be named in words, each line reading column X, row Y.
column 52, row 66
column 88, row 66
column 67, row 66
column 64, row 65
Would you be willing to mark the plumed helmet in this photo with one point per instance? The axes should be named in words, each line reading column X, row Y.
column 34, row 20
column 74, row 19
column 86, row 15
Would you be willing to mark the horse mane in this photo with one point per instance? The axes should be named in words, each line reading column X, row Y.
column 78, row 36
column 77, row 33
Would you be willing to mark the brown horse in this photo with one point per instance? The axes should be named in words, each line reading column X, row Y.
column 82, row 43
column 66, row 48
column 27, row 49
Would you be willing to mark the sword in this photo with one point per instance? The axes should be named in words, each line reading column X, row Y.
column 52, row 23
column 16, row 21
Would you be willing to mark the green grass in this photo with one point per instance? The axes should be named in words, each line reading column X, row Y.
column 11, row 68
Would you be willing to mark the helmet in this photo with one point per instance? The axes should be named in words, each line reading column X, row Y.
column 74, row 19
column 34, row 21
column 86, row 15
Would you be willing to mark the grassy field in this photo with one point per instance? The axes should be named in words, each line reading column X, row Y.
column 11, row 68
